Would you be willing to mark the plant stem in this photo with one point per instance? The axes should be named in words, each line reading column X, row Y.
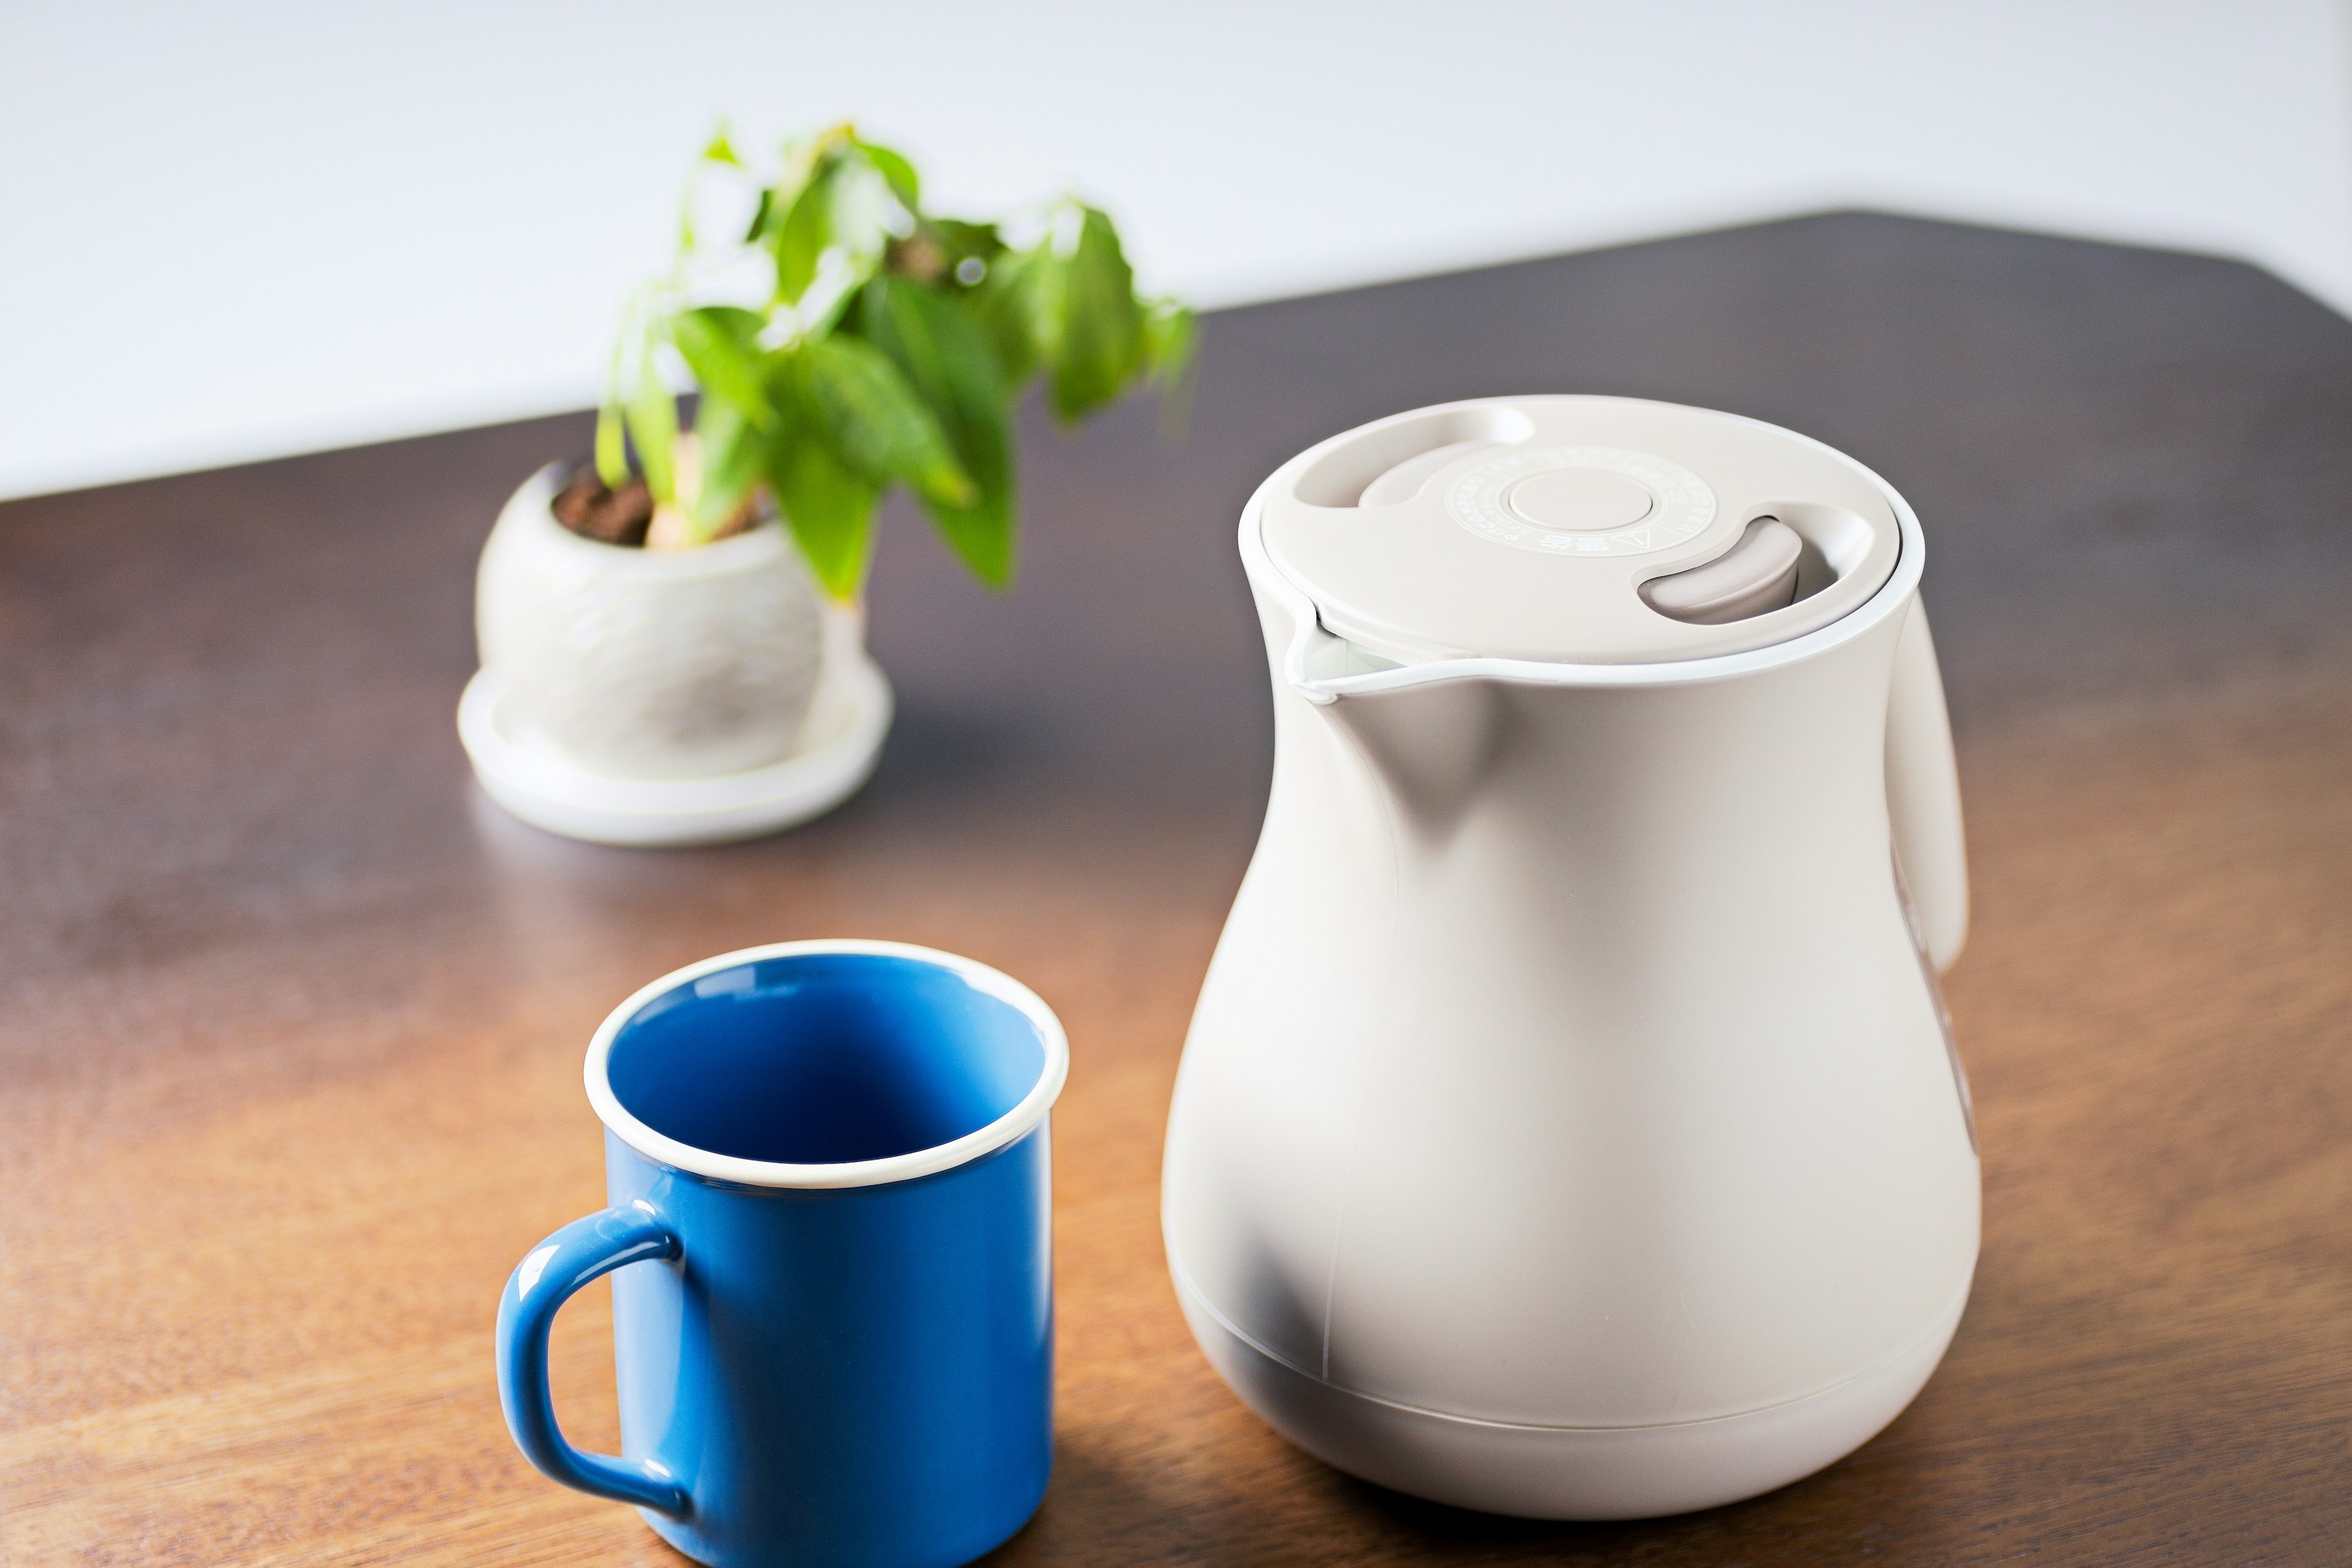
column 673, row 524
column 670, row 529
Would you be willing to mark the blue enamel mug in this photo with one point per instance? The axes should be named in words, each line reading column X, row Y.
column 831, row 1248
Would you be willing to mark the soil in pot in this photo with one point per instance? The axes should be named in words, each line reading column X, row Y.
column 588, row 507
column 593, row 509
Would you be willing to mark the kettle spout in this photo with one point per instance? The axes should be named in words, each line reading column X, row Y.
column 1429, row 744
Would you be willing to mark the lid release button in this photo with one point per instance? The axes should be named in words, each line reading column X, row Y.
column 1757, row 575
column 1580, row 500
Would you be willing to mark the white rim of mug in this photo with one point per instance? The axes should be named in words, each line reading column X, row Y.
column 667, row 1150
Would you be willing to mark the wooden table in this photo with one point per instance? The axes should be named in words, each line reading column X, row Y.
column 289, row 1054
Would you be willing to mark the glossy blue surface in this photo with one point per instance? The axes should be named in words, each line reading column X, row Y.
column 823, row 1058
column 814, row 1376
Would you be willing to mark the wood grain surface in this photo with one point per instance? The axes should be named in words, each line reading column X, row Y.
column 291, row 1043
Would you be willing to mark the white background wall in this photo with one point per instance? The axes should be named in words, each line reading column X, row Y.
column 235, row 230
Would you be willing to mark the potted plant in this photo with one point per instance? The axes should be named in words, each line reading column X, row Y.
column 672, row 637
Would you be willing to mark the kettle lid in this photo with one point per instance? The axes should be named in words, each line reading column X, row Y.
column 1581, row 530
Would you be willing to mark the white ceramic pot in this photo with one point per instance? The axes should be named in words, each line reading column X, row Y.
column 677, row 697
column 639, row 663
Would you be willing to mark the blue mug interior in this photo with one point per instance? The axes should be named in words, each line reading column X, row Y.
column 822, row 1059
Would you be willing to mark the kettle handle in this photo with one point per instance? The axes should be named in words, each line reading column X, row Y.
column 1923, row 794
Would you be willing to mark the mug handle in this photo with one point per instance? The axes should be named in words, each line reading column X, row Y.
column 542, row 1282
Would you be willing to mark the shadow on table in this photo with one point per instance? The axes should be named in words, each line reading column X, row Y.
column 1104, row 1509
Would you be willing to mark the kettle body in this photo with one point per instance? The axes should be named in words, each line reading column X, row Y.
column 1569, row 1125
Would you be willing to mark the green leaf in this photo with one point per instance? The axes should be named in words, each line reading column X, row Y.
column 647, row 406
column 828, row 506
column 864, row 410
column 652, row 414
column 960, row 242
column 1095, row 328
column 720, row 346
column 612, row 448
column 1005, row 304
column 862, row 213
column 802, row 235
column 905, row 183
column 733, row 450
column 945, row 355
column 845, row 204
column 907, row 348
column 633, row 343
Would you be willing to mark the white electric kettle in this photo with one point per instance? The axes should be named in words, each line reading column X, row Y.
column 1569, row 1126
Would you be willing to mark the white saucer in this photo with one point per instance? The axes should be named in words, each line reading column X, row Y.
column 537, row 783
